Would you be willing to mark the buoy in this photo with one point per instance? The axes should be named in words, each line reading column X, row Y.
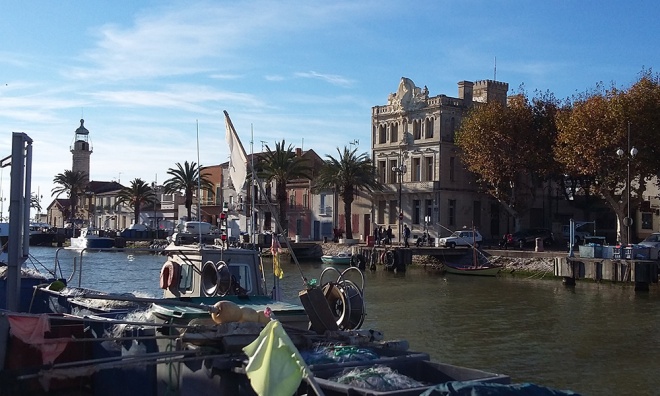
column 248, row 315
column 262, row 318
column 227, row 312
column 56, row 285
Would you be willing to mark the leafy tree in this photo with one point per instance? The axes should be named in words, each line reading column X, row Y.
column 73, row 184
column 138, row 194
column 282, row 165
column 509, row 149
column 348, row 173
column 185, row 178
column 597, row 126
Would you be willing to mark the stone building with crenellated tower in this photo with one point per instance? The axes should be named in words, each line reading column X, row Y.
column 426, row 185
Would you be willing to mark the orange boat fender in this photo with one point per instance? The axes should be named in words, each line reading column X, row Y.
column 168, row 274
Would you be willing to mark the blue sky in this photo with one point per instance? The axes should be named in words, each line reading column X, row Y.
column 143, row 74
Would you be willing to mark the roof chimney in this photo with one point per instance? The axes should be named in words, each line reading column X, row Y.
column 465, row 92
column 298, row 152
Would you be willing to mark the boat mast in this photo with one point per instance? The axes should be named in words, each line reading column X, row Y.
column 251, row 188
column 199, row 188
column 19, row 215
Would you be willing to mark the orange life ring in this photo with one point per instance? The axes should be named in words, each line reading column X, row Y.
column 168, row 274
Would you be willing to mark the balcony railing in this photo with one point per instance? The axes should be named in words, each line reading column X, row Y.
column 410, row 187
column 298, row 208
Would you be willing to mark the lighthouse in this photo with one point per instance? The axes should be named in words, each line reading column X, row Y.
column 81, row 150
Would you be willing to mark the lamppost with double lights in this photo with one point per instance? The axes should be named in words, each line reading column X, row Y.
column 400, row 170
column 628, row 221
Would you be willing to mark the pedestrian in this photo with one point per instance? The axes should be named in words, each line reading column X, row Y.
column 406, row 235
column 390, row 235
column 377, row 235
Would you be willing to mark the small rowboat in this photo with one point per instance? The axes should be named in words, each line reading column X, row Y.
column 481, row 270
column 337, row 259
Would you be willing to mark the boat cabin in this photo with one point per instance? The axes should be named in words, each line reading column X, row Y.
column 211, row 271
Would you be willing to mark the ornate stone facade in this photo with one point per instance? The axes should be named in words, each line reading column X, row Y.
column 415, row 157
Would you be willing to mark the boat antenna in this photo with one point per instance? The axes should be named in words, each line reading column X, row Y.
column 495, row 70
column 199, row 187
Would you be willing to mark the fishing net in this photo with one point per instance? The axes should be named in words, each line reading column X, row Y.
column 25, row 273
column 377, row 378
column 145, row 316
column 338, row 354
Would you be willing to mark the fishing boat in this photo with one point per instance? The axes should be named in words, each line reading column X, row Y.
column 91, row 238
column 481, row 270
column 476, row 267
column 343, row 258
column 41, row 234
column 4, row 238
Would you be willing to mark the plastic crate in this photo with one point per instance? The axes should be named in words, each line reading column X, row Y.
column 586, row 251
column 427, row 372
column 637, row 252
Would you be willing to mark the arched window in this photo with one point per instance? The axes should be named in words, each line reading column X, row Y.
column 417, row 129
column 394, row 132
column 382, row 136
column 428, row 128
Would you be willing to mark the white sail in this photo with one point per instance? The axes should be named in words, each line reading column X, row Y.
column 237, row 156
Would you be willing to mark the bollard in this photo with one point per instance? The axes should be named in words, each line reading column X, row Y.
column 539, row 245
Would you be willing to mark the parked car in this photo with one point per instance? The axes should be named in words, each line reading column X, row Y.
column 580, row 233
column 653, row 241
column 527, row 237
column 461, row 238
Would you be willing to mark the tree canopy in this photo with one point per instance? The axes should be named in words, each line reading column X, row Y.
column 509, row 148
column 598, row 124
column 135, row 196
column 186, row 178
column 348, row 174
column 71, row 183
column 281, row 165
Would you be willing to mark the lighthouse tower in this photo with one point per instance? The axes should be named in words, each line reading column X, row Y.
column 81, row 150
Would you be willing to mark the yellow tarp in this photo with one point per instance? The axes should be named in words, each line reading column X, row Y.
column 275, row 367
column 277, row 268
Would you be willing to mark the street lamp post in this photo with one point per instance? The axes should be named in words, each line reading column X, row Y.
column 155, row 188
column 628, row 221
column 400, row 170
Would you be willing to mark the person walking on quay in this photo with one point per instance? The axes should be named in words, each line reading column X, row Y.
column 406, row 235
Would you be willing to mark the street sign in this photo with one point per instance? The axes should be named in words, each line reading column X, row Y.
column 401, row 216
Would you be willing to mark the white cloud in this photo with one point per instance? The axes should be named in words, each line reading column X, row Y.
column 329, row 78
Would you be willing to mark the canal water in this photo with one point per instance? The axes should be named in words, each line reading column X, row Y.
column 594, row 339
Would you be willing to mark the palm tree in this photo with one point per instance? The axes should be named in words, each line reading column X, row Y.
column 35, row 202
column 185, row 179
column 73, row 183
column 348, row 174
column 281, row 166
column 138, row 194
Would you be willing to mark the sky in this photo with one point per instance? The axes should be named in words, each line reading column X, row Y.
column 151, row 78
